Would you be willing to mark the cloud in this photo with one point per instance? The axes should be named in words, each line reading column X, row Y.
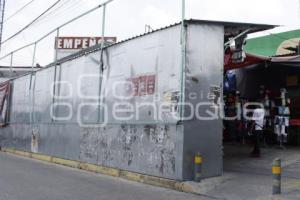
column 253, row 11
column 127, row 18
column 156, row 17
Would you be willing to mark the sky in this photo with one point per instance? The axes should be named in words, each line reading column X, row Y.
column 127, row 18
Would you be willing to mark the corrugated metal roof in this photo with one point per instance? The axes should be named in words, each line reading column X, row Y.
column 98, row 46
column 229, row 26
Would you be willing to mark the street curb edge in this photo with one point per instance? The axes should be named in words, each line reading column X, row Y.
column 127, row 175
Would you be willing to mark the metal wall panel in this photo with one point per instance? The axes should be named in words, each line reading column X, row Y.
column 146, row 145
column 20, row 103
column 145, row 149
column 43, row 97
column 60, row 140
column 204, row 74
column 154, row 54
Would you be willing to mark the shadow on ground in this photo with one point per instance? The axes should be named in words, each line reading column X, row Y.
column 237, row 159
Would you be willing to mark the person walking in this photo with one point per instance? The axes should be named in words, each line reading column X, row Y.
column 257, row 127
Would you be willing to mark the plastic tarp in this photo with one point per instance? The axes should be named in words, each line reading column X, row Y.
column 252, row 59
column 249, row 60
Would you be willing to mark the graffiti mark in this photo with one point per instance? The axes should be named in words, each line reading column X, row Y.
column 167, row 161
column 128, row 139
column 157, row 135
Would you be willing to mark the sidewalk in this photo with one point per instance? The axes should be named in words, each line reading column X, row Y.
column 244, row 178
column 236, row 159
column 248, row 178
column 242, row 186
column 246, row 186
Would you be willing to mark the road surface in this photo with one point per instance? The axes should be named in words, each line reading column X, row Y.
column 27, row 179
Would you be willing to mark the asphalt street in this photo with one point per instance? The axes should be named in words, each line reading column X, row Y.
column 27, row 179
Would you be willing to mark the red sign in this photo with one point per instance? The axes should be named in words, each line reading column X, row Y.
column 142, row 85
column 151, row 84
column 72, row 43
column 136, row 86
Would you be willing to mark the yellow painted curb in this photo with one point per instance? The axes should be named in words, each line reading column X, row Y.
column 23, row 153
column 68, row 163
column 41, row 157
column 132, row 176
column 160, row 182
column 99, row 169
column 187, row 188
column 8, row 150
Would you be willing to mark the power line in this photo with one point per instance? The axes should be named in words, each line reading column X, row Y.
column 53, row 11
column 57, row 11
column 32, row 22
column 18, row 11
column 102, row 5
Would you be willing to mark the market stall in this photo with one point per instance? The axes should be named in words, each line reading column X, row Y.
column 273, row 82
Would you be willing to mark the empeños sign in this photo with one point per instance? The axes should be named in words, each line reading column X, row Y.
column 73, row 43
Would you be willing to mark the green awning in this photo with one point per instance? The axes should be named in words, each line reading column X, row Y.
column 274, row 44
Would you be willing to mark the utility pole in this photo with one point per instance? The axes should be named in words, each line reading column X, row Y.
column 299, row 8
column 2, row 10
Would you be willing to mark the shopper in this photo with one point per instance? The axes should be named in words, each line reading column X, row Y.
column 257, row 129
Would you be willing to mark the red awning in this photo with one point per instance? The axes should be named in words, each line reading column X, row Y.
column 249, row 60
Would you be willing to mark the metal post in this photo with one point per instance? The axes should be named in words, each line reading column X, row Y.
column 103, row 24
column 57, row 35
column 183, row 10
column 31, row 98
column 103, row 35
column 197, row 167
column 299, row 7
column 276, row 171
column 33, row 57
column 7, row 114
column 11, row 64
column 55, row 77
column 101, row 63
column 32, row 87
column 183, row 60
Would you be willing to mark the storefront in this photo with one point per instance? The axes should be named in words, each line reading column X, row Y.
column 275, row 83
